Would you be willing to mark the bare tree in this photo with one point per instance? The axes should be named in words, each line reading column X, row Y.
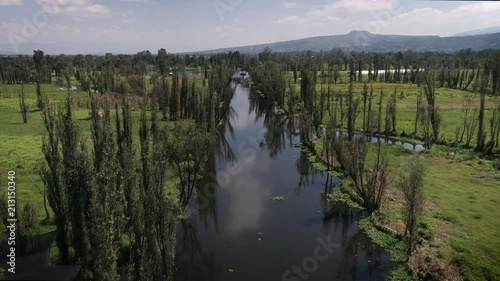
column 426, row 124
column 369, row 186
column 412, row 184
column 4, row 207
column 29, row 222
column 369, row 121
column 352, row 112
column 481, row 134
column 467, row 107
column 393, row 112
column 377, row 180
column 22, row 104
column 495, row 126
column 329, row 141
column 432, row 110
column 381, row 100
column 470, row 128
column 417, row 114
column 365, row 99
column 43, row 193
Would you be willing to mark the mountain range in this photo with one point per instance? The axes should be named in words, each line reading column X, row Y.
column 353, row 41
column 365, row 41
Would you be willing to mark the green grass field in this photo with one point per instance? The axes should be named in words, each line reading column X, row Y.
column 462, row 193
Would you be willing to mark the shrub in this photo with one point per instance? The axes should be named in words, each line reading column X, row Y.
column 496, row 164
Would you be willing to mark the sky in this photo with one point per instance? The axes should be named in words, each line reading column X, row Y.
column 129, row 26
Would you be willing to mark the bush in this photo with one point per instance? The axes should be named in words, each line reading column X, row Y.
column 425, row 232
column 496, row 164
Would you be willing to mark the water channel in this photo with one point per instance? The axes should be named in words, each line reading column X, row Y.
column 238, row 233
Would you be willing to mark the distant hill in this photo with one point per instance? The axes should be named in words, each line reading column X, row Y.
column 353, row 41
column 366, row 41
column 489, row 30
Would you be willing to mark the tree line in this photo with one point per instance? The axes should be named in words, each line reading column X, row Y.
column 108, row 193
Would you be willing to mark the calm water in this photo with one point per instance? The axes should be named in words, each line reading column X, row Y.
column 235, row 232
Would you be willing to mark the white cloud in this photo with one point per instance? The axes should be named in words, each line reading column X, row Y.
column 55, row 32
column 9, row 26
column 348, row 8
column 97, row 9
column 361, row 5
column 290, row 5
column 313, row 17
column 226, row 30
column 385, row 17
column 316, row 13
column 291, row 20
column 80, row 8
column 128, row 17
column 327, row 14
column 431, row 20
column 10, row 2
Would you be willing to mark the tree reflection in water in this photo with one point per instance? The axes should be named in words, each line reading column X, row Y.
column 360, row 256
column 358, row 259
column 192, row 262
column 279, row 128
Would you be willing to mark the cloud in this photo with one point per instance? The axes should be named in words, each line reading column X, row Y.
column 463, row 17
column 10, row 2
column 128, row 17
column 81, row 8
column 58, row 32
column 226, row 30
column 330, row 13
column 97, row 9
column 291, row 20
column 361, row 5
column 316, row 18
column 290, row 5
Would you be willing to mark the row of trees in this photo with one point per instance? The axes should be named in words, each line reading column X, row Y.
column 460, row 70
column 26, row 69
column 107, row 188
column 318, row 96
column 456, row 70
column 99, row 193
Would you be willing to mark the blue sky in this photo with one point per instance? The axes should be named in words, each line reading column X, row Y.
column 89, row 26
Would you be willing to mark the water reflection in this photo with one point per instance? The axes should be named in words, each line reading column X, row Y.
column 192, row 262
column 279, row 128
column 361, row 259
column 235, row 232
column 206, row 195
column 377, row 139
column 307, row 173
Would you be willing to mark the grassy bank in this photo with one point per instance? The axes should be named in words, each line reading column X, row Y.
column 459, row 226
